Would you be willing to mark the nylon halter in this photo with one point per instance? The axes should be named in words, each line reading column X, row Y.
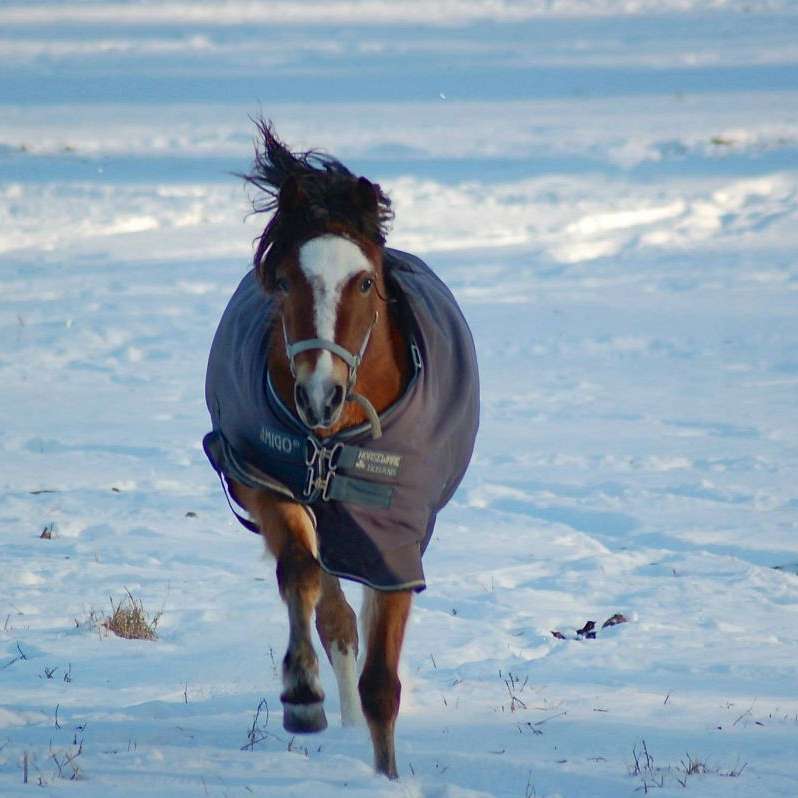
column 352, row 362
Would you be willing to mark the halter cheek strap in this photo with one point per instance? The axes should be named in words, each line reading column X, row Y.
column 352, row 361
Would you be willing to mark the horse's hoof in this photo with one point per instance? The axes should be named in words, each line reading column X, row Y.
column 304, row 718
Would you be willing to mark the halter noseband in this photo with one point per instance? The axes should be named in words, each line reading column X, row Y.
column 352, row 362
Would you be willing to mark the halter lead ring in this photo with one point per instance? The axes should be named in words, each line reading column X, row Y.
column 352, row 362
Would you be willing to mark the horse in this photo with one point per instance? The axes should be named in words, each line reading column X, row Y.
column 343, row 392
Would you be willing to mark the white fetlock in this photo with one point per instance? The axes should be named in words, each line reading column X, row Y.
column 345, row 668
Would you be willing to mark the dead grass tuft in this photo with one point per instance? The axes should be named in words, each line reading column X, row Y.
column 654, row 776
column 48, row 533
column 129, row 619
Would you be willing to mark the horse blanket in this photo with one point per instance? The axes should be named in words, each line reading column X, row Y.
column 374, row 502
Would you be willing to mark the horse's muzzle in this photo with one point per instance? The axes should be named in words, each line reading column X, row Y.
column 320, row 403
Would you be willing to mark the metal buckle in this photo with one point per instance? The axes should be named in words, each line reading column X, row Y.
column 325, row 491
column 334, row 457
column 416, row 354
column 309, row 482
column 328, row 464
column 310, row 458
column 322, row 464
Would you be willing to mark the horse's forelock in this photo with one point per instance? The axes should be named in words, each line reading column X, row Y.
column 324, row 197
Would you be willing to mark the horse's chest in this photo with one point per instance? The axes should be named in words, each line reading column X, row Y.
column 374, row 502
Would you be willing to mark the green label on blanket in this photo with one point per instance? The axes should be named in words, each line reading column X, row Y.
column 383, row 464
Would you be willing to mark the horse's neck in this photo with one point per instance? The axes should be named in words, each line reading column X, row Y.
column 381, row 378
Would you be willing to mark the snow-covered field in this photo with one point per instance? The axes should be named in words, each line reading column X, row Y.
column 611, row 189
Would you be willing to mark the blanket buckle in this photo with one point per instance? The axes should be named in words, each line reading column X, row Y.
column 322, row 463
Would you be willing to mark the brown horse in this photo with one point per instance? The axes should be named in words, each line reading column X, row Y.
column 334, row 342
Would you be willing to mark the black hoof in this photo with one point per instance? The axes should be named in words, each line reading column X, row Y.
column 304, row 718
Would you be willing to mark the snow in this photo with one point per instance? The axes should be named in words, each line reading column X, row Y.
column 610, row 189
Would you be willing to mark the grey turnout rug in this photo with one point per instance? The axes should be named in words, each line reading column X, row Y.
column 374, row 502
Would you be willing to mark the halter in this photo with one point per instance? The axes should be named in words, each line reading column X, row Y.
column 352, row 362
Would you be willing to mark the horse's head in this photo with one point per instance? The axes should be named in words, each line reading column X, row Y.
column 320, row 258
column 329, row 291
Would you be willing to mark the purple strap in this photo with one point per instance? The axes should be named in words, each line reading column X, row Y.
column 244, row 521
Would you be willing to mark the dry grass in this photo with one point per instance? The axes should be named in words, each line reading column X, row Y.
column 129, row 619
column 653, row 776
column 48, row 533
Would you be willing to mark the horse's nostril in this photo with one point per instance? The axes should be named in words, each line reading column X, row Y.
column 301, row 397
column 337, row 396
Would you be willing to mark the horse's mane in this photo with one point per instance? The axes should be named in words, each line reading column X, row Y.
column 324, row 195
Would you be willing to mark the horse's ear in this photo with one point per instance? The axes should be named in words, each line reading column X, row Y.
column 291, row 195
column 366, row 195
column 263, row 269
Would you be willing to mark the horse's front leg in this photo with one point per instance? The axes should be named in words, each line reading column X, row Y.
column 384, row 619
column 289, row 535
column 337, row 627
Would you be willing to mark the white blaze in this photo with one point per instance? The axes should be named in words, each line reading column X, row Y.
column 328, row 263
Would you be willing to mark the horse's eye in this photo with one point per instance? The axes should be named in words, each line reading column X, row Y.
column 281, row 284
column 365, row 286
